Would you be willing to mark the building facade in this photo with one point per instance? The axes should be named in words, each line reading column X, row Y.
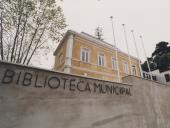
column 85, row 55
column 161, row 77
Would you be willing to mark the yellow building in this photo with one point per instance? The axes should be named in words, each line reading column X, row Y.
column 85, row 55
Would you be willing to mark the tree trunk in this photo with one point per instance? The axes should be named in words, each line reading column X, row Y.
column 16, row 35
column 36, row 46
column 1, row 36
column 22, row 38
column 29, row 47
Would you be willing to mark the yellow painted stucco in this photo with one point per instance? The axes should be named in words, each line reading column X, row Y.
column 91, row 68
column 100, row 72
column 61, row 50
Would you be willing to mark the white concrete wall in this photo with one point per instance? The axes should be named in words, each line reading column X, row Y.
column 161, row 76
column 36, row 98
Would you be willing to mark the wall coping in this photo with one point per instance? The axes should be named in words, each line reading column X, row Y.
column 157, row 82
column 52, row 71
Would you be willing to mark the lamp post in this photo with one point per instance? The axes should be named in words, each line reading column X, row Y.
column 126, row 41
column 116, row 50
column 146, row 57
column 134, row 40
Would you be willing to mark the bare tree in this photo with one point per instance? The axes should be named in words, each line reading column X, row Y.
column 27, row 25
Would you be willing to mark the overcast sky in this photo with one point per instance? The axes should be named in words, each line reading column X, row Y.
column 149, row 18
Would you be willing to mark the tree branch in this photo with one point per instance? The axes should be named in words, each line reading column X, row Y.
column 36, row 46
column 1, row 36
column 22, row 38
column 16, row 48
column 16, row 35
column 8, row 51
column 34, row 35
column 29, row 47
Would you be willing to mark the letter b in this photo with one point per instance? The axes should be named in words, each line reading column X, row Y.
column 27, row 79
column 8, row 76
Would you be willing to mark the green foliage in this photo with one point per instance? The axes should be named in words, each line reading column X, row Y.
column 27, row 25
column 160, row 58
column 151, row 64
column 161, row 48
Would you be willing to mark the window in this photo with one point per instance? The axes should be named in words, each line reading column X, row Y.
column 154, row 78
column 85, row 55
column 114, row 63
column 167, row 77
column 126, row 67
column 101, row 60
column 134, row 70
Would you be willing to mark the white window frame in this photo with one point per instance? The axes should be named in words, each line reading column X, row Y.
column 126, row 67
column 102, row 57
column 87, row 55
column 134, row 67
column 114, row 63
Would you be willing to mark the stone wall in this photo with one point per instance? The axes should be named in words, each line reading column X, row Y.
column 38, row 98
